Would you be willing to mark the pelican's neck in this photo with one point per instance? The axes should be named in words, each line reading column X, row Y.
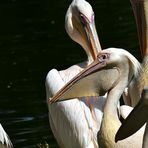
column 110, row 122
column 90, row 59
column 89, row 56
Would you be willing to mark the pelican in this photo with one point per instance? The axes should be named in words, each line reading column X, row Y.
column 75, row 123
column 4, row 139
column 140, row 85
column 87, row 83
column 140, row 8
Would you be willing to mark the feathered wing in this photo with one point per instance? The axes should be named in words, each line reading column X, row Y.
column 53, row 84
column 71, row 121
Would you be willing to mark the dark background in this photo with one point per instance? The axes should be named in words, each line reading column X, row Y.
column 33, row 41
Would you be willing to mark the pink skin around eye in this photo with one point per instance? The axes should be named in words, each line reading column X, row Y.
column 84, row 19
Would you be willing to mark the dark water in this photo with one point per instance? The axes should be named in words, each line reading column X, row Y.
column 33, row 41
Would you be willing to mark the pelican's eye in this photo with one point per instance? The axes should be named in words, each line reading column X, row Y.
column 83, row 19
column 103, row 57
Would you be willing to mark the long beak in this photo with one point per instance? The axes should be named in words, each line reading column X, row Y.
column 93, row 39
column 136, row 118
column 140, row 8
column 80, row 85
column 89, row 36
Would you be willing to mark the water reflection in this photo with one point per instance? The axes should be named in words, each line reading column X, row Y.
column 33, row 41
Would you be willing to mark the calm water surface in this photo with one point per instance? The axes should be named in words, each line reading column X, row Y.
column 33, row 41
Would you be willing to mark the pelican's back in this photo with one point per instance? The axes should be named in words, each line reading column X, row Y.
column 72, row 122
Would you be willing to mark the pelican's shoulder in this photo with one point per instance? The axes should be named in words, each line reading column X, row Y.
column 52, row 76
column 69, row 73
column 53, row 82
column 55, row 79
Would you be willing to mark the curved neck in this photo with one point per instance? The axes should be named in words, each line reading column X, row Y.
column 110, row 122
column 90, row 58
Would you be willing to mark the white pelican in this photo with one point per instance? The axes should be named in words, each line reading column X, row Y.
column 140, row 8
column 139, row 115
column 75, row 123
column 4, row 139
column 86, row 84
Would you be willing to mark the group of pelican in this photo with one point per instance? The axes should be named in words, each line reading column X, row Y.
column 87, row 110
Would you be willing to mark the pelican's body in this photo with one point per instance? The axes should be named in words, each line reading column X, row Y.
column 137, row 117
column 4, row 139
column 137, row 85
column 140, row 84
column 140, row 8
column 75, row 123
column 126, row 67
column 72, row 122
column 110, row 122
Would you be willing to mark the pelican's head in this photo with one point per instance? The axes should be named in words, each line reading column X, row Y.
column 80, row 26
column 117, row 57
column 111, row 66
